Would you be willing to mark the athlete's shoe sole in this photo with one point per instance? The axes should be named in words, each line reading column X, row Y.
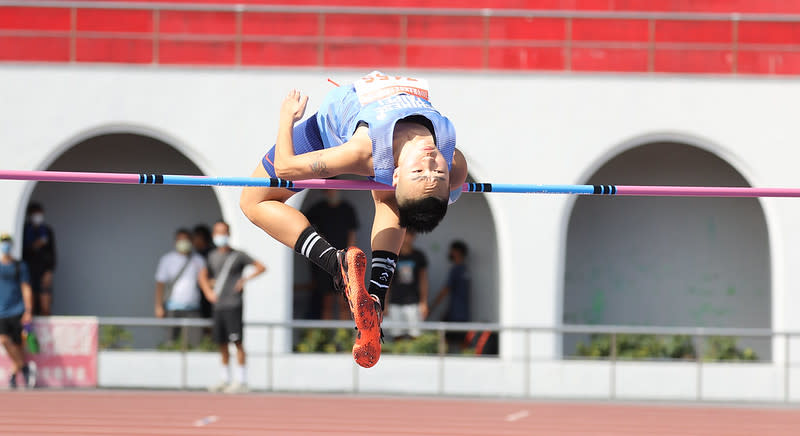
column 367, row 349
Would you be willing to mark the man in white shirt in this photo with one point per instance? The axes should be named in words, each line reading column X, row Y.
column 177, row 294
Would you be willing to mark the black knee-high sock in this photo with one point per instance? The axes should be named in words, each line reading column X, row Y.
column 383, row 265
column 316, row 249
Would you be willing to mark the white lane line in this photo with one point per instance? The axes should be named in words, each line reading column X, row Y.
column 516, row 416
column 202, row 422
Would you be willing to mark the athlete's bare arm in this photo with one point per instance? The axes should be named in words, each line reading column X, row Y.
column 352, row 157
column 458, row 170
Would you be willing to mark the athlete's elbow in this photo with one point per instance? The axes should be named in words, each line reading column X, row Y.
column 284, row 172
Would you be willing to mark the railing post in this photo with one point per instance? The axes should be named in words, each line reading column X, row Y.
column 568, row 44
column 73, row 33
column 527, row 362
column 321, row 42
column 442, row 350
column 612, row 382
column 270, row 359
column 356, row 385
column 651, row 45
column 787, row 367
column 238, row 41
column 485, row 47
column 156, row 35
column 403, row 41
column 735, row 44
column 698, row 346
column 184, row 349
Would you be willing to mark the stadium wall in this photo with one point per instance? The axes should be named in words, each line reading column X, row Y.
column 512, row 129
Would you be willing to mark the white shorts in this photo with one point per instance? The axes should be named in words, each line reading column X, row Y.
column 405, row 314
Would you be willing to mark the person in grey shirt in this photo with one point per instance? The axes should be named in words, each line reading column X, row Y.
column 222, row 282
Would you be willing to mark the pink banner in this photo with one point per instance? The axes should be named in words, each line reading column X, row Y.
column 67, row 354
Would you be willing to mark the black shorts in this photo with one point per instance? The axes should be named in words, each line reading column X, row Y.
column 12, row 327
column 228, row 325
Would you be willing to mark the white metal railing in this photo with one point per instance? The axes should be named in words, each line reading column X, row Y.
column 698, row 334
column 486, row 42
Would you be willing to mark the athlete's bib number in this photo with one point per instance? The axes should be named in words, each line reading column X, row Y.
column 377, row 85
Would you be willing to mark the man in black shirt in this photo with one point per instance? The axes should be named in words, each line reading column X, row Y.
column 335, row 220
column 408, row 294
column 39, row 253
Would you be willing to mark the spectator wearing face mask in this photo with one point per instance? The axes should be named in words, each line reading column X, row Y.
column 39, row 253
column 177, row 292
column 223, row 282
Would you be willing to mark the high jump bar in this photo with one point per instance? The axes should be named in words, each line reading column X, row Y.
column 359, row 185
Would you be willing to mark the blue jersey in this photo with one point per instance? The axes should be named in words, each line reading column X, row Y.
column 341, row 111
column 11, row 303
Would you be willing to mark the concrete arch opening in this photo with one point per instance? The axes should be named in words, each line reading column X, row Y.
column 646, row 261
column 109, row 237
column 469, row 219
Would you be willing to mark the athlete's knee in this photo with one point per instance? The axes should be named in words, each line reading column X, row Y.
column 246, row 203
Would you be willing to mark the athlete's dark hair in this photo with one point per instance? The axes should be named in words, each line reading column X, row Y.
column 421, row 215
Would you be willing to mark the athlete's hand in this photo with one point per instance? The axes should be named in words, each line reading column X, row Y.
column 293, row 106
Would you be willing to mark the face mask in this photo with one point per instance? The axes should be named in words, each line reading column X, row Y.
column 37, row 219
column 221, row 240
column 5, row 247
column 183, row 246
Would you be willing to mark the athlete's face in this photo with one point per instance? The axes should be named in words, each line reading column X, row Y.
column 421, row 170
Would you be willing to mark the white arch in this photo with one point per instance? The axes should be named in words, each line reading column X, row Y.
column 777, row 291
column 62, row 147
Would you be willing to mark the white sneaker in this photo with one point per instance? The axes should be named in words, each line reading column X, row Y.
column 237, row 388
column 219, row 387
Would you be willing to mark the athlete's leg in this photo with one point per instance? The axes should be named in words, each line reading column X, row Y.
column 267, row 209
column 387, row 237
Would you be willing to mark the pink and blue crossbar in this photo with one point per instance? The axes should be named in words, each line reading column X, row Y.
column 181, row 180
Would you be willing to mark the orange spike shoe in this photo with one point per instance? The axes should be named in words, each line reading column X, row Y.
column 365, row 308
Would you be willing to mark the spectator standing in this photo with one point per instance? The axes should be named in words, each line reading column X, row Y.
column 39, row 253
column 16, row 309
column 458, row 288
column 222, row 281
column 408, row 294
column 177, row 293
column 202, row 243
column 334, row 219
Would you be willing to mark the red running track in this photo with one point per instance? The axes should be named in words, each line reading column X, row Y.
column 175, row 413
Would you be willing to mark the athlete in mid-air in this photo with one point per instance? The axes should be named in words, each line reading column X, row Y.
column 382, row 127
